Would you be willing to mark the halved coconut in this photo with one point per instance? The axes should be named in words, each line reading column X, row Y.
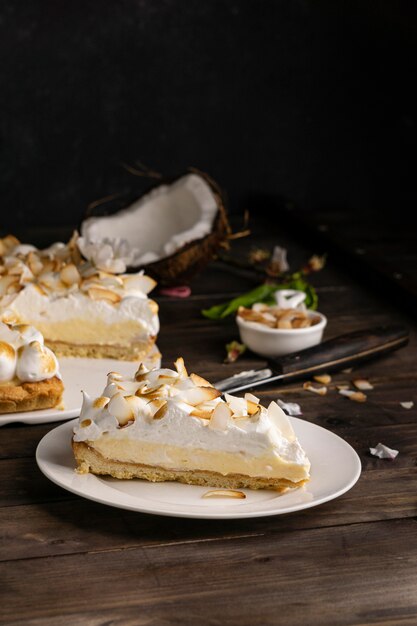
column 171, row 232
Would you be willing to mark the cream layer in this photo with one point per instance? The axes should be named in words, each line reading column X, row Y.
column 176, row 458
column 77, row 319
column 92, row 331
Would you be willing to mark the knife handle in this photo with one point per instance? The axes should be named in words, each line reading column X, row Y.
column 341, row 352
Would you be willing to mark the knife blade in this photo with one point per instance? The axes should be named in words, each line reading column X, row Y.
column 332, row 355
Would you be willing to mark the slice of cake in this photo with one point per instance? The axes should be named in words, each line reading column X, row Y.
column 29, row 371
column 164, row 425
column 87, row 308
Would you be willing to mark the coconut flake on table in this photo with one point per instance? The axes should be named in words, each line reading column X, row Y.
column 290, row 408
column 383, row 452
column 363, row 384
column 356, row 396
column 407, row 405
column 170, row 216
column 321, row 391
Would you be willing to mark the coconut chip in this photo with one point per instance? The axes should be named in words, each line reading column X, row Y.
column 321, row 391
column 362, row 383
column 290, row 408
column 407, row 405
column 325, row 379
column 224, row 493
column 383, row 452
column 356, row 396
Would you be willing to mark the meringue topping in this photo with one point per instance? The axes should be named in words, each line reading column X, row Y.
column 76, row 300
column 8, row 360
column 61, row 270
column 24, row 356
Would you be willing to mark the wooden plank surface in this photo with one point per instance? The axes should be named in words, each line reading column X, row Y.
column 66, row 560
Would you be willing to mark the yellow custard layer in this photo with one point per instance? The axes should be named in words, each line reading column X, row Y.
column 176, row 458
column 93, row 330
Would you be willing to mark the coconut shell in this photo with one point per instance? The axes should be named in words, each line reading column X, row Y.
column 195, row 255
column 191, row 258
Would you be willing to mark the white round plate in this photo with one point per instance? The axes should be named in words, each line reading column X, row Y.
column 77, row 374
column 335, row 468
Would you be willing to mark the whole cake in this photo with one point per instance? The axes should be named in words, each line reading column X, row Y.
column 164, row 425
column 29, row 371
column 83, row 305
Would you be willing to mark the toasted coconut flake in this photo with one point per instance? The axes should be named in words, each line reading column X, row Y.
column 224, row 493
column 252, row 407
column 199, row 395
column 153, row 306
column 34, row 263
column 98, row 293
column 281, row 421
column 356, row 396
column 342, row 387
column 7, row 243
column 200, row 381
column 148, row 390
column 8, row 283
column 251, row 398
column 324, row 379
column 321, row 391
column 10, row 317
column 362, row 383
column 139, row 282
column 180, row 367
column 255, row 417
column 156, row 404
column 161, row 412
column 407, row 405
column 16, row 269
column 70, row 275
column 39, row 289
column 220, row 417
column 202, row 413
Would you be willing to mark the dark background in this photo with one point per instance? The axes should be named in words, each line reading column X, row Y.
column 307, row 99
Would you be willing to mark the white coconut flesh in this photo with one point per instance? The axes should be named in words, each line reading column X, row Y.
column 159, row 223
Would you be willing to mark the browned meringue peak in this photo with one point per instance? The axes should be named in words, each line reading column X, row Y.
column 24, row 356
column 61, row 269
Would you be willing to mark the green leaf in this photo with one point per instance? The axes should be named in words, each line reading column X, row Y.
column 259, row 294
column 264, row 293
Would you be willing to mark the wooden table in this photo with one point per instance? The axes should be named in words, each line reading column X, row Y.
column 66, row 560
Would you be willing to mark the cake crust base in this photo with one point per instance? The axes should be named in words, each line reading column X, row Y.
column 90, row 460
column 44, row 394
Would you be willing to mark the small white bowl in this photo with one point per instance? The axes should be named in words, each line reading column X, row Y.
column 272, row 342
